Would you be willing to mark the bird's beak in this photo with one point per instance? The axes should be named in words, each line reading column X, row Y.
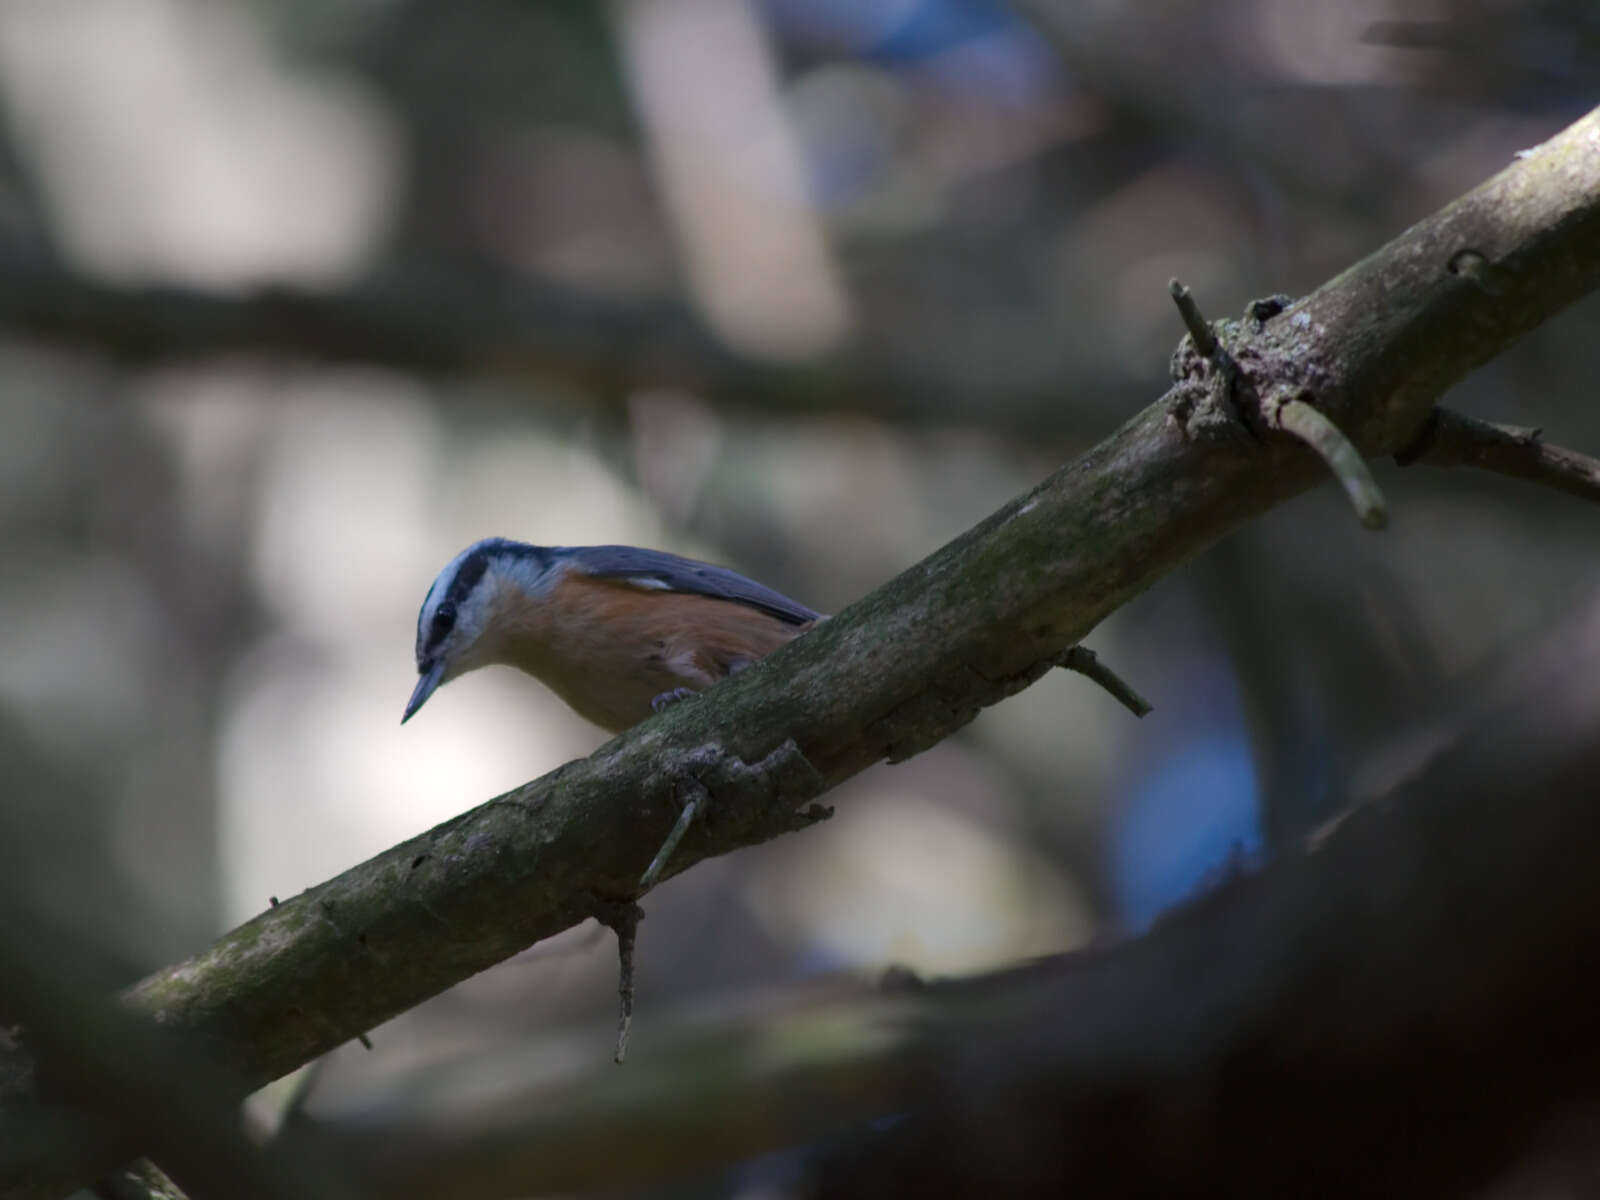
column 431, row 675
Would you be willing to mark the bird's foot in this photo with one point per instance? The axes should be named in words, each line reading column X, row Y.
column 667, row 699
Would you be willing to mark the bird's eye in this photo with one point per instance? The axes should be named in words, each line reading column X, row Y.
column 444, row 618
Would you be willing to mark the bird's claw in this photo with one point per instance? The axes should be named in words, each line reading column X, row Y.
column 666, row 699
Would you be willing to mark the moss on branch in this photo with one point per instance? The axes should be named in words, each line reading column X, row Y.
column 906, row 666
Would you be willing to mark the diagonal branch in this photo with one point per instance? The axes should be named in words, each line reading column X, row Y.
column 1323, row 1000
column 1452, row 439
column 121, row 1065
column 978, row 620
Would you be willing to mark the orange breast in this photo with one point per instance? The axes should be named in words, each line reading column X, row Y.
column 608, row 649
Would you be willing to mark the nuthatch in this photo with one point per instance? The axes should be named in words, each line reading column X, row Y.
column 615, row 631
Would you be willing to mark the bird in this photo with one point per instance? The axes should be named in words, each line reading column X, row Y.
column 618, row 632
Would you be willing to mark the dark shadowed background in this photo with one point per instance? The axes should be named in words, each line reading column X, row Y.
column 804, row 287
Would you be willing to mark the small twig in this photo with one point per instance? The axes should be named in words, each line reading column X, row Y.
column 1211, row 348
column 627, row 932
column 697, row 793
column 623, row 920
column 1452, row 439
column 1314, row 429
column 1293, row 416
column 1199, row 328
column 1084, row 661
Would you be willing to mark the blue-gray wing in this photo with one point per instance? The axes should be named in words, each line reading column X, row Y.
column 672, row 573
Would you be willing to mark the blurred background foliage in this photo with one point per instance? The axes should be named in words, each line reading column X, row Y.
column 897, row 258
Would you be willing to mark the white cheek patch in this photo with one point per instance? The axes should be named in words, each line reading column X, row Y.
column 529, row 575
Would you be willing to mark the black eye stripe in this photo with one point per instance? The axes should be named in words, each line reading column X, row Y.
column 457, row 587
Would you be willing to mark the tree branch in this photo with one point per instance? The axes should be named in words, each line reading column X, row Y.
column 697, row 1102
column 977, row 621
column 1452, row 439
column 144, row 1088
column 1400, row 1012
column 1320, row 1002
column 433, row 321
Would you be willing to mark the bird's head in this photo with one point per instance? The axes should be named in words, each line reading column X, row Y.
column 473, row 599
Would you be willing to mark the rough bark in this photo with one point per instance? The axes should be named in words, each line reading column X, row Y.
column 1398, row 1007
column 979, row 619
